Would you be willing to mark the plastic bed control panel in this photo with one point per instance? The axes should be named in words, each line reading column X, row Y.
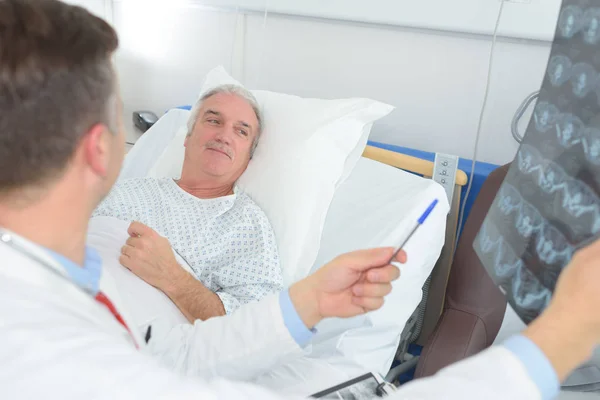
column 444, row 172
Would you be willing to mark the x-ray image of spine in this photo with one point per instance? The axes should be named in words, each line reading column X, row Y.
column 570, row 21
column 552, row 246
column 591, row 145
column 552, row 179
column 568, row 130
column 529, row 221
column 583, row 78
column 510, row 199
column 528, row 293
column 549, row 204
column 579, row 200
column 545, row 116
column 529, row 160
column 591, row 20
column 506, row 262
column 488, row 239
column 559, row 70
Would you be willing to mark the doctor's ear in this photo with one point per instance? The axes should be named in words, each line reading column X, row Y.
column 96, row 146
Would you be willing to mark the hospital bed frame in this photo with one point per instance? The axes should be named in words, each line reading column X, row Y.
column 434, row 303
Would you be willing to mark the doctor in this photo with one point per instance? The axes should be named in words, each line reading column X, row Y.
column 61, row 147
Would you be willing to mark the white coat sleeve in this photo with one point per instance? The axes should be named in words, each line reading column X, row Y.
column 241, row 346
column 73, row 359
column 493, row 374
column 54, row 347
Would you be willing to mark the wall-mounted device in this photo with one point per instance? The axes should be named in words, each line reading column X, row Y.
column 143, row 120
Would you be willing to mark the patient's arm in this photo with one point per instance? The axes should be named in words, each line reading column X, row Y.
column 250, row 270
column 192, row 298
column 149, row 256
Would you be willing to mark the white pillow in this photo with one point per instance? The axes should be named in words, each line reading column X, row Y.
column 170, row 162
column 149, row 147
column 302, row 156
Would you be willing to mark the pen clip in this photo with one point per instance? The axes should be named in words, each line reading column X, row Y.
column 148, row 334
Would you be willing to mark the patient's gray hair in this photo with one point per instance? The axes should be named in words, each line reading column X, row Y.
column 228, row 89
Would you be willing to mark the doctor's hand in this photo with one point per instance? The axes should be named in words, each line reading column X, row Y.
column 569, row 329
column 350, row 285
column 149, row 256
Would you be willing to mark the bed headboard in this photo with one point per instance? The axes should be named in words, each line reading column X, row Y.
column 441, row 271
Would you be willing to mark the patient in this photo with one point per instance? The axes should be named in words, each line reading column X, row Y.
column 223, row 236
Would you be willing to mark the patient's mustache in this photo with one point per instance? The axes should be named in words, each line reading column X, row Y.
column 214, row 145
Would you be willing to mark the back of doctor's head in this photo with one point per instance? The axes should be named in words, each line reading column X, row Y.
column 56, row 83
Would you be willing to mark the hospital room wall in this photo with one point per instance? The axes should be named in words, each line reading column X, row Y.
column 435, row 79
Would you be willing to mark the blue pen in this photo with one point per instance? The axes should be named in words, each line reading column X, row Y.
column 419, row 223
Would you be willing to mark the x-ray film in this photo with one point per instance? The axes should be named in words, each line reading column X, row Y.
column 549, row 204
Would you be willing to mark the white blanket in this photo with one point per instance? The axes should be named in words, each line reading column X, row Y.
column 144, row 302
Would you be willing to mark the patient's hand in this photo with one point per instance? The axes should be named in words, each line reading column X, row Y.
column 350, row 285
column 149, row 256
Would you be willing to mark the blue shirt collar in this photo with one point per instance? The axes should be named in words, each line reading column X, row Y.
column 87, row 276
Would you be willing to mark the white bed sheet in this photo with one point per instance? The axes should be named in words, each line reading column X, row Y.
column 376, row 206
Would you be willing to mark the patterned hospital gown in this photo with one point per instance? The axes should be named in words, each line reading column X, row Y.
column 228, row 241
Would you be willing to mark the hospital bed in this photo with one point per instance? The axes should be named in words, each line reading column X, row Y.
column 376, row 206
column 435, row 288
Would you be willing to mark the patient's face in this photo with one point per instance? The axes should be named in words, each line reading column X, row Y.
column 222, row 138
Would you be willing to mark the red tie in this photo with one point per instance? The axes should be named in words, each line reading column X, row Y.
column 101, row 298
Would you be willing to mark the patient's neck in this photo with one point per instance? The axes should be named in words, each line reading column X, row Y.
column 205, row 189
column 51, row 218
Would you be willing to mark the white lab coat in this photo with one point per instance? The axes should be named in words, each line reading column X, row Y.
column 56, row 342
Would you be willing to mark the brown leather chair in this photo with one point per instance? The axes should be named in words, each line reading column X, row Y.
column 474, row 306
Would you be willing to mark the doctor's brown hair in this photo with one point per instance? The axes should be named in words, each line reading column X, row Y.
column 56, row 82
